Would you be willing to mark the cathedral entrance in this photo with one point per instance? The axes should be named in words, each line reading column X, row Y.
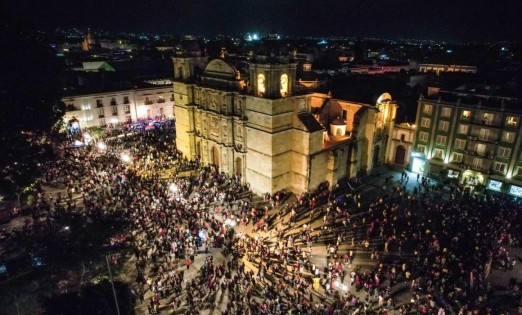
column 215, row 156
column 400, row 154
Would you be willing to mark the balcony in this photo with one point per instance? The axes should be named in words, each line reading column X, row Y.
column 127, row 112
column 148, row 103
column 99, row 105
column 115, row 114
column 114, row 103
column 101, row 116
column 161, row 100
column 126, row 101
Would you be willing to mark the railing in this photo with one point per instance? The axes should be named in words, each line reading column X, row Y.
column 101, row 116
column 113, row 103
column 115, row 114
column 161, row 100
column 99, row 104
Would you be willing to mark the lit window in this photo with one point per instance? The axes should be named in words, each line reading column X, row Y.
column 508, row 137
column 284, row 85
column 463, row 129
column 512, row 121
column 460, row 144
column 477, row 163
column 484, row 134
column 425, row 122
column 260, row 85
column 503, row 152
column 518, row 171
column 443, row 125
column 487, row 118
column 456, row 157
column 500, row 167
column 466, row 114
column 441, row 140
column 423, row 136
column 428, row 109
column 438, row 153
column 446, row 112
column 421, row 148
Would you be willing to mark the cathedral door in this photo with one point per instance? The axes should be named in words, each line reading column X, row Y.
column 215, row 156
column 400, row 154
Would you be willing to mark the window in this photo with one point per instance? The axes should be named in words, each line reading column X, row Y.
column 147, row 101
column 466, row 114
column 438, row 153
column 512, row 121
column 484, row 134
column 487, row 118
column 101, row 113
column 126, row 109
column 518, row 172
column 508, row 137
column 114, row 110
column 443, row 125
column 463, row 129
column 161, row 99
column 445, row 112
column 99, row 103
column 503, row 152
column 102, row 122
column 421, row 148
column 500, row 167
column 456, row 157
column 441, row 140
column 126, row 100
column 284, row 85
column 460, row 144
column 403, row 137
column 423, row 136
column 344, row 114
column 477, row 163
column 427, row 109
column 261, row 85
column 113, row 101
column 425, row 122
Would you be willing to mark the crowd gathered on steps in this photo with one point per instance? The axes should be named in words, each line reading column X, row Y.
column 441, row 245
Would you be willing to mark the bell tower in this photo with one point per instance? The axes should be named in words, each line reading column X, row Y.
column 272, row 71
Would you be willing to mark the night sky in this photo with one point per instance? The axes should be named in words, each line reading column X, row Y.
column 422, row 19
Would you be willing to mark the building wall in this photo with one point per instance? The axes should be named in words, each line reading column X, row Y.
column 107, row 109
column 470, row 139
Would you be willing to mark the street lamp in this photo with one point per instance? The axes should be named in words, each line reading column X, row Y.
column 125, row 157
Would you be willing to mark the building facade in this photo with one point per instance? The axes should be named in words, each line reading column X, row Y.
column 474, row 139
column 260, row 127
column 126, row 106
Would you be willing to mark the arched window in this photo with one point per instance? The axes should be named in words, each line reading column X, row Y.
column 284, row 85
column 260, row 85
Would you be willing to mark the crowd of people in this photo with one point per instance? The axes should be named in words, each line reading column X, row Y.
column 293, row 255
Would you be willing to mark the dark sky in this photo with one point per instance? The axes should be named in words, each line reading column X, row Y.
column 423, row 19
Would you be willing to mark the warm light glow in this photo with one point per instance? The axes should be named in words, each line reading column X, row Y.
column 125, row 157
column 114, row 120
column 102, row 146
column 261, row 85
column 284, row 85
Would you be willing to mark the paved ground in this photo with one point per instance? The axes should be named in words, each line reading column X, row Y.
column 371, row 186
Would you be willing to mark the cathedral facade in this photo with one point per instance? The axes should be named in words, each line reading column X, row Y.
column 262, row 127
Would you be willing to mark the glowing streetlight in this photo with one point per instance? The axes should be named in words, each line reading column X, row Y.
column 125, row 157
column 173, row 188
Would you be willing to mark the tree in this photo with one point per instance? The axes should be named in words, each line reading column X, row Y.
column 30, row 102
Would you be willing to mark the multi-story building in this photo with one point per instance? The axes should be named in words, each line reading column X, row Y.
column 470, row 137
column 261, row 127
column 438, row 68
column 125, row 106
